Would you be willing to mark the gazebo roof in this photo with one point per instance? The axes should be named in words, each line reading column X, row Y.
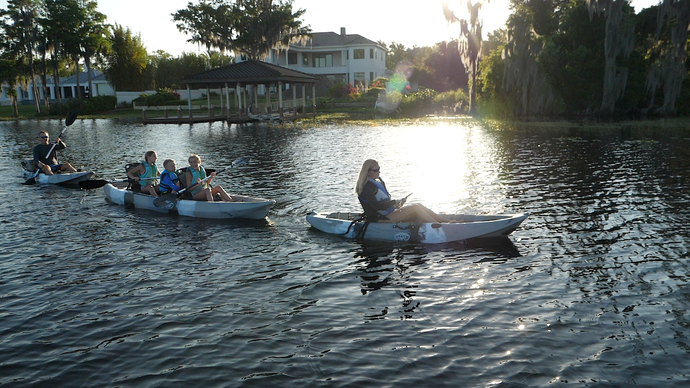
column 249, row 72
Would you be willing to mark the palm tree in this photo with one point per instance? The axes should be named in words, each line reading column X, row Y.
column 470, row 42
column 24, row 29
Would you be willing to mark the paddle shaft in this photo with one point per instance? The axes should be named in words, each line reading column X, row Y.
column 167, row 199
column 96, row 183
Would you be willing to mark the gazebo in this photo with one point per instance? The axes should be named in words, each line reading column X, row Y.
column 239, row 76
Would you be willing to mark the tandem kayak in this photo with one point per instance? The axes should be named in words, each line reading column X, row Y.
column 245, row 208
column 68, row 178
column 466, row 227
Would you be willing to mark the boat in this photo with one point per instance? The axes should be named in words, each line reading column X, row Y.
column 63, row 178
column 265, row 116
column 246, row 208
column 464, row 227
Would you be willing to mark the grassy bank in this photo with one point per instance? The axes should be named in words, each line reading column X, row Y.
column 343, row 115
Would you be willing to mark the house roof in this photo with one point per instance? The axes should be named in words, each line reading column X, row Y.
column 319, row 39
column 83, row 78
column 249, row 72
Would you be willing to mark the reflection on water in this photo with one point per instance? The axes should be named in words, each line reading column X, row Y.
column 591, row 289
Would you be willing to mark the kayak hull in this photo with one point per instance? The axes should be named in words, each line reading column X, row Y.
column 249, row 207
column 467, row 227
column 69, row 178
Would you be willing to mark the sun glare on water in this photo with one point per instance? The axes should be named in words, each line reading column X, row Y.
column 449, row 167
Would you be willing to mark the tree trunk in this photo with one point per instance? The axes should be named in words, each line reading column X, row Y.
column 44, row 80
column 79, row 96
column 87, row 62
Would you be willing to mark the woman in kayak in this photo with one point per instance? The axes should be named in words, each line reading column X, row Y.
column 146, row 169
column 378, row 204
column 203, row 192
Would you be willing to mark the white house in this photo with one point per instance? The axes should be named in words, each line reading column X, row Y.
column 68, row 88
column 348, row 58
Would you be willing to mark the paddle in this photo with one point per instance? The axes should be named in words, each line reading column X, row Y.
column 402, row 201
column 71, row 116
column 98, row 183
column 169, row 200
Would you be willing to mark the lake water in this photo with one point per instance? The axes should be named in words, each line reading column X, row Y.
column 592, row 290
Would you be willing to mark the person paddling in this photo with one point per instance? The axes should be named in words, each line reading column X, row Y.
column 146, row 169
column 170, row 182
column 48, row 164
column 195, row 174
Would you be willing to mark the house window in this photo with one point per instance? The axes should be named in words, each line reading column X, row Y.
column 358, row 54
column 360, row 78
column 292, row 58
column 371, row 76
column 371, row 53
column 305, row 60
column 323, row 60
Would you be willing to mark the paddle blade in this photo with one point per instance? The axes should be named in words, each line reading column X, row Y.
column 167, row 201
column 92, row 184
column 71, row 116
column 241, row 161
column 30, row 181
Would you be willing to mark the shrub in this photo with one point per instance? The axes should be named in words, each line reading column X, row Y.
column 341, row 90
column 161, row 97
column 420, row 102
column 100, row 104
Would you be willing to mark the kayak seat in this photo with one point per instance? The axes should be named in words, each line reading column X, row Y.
column 29, row 165
column 370, row 214
column 133, row 186
column 181, row 173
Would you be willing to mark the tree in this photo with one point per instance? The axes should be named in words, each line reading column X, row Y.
column 208, row 23
column 127, row 61
column 264, row 25
column 619, row 41
column 469, row 43
column 668, row 69
column 9, row 73
column 24, row 29
column 94, row 34
column 248, row 27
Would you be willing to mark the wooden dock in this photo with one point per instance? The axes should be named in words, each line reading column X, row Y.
column 191, row 117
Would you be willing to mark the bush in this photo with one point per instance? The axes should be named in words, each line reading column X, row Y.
column 341, row 90
column 455, row 100
column 420, row 102
column 162, row 97
column 100, row 104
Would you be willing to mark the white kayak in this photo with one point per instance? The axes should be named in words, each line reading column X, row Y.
column 66, row 178
column 467, row 226
column 246, row 207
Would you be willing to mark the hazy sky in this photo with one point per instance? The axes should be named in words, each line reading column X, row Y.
column 410, row 22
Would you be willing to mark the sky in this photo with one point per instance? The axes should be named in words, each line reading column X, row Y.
column 409, row 22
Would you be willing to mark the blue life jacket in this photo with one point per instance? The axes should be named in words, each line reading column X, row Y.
column 381, row 195
column 164, row 188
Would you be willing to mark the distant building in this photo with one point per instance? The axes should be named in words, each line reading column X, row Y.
column 68, row 88
column 347, row 58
